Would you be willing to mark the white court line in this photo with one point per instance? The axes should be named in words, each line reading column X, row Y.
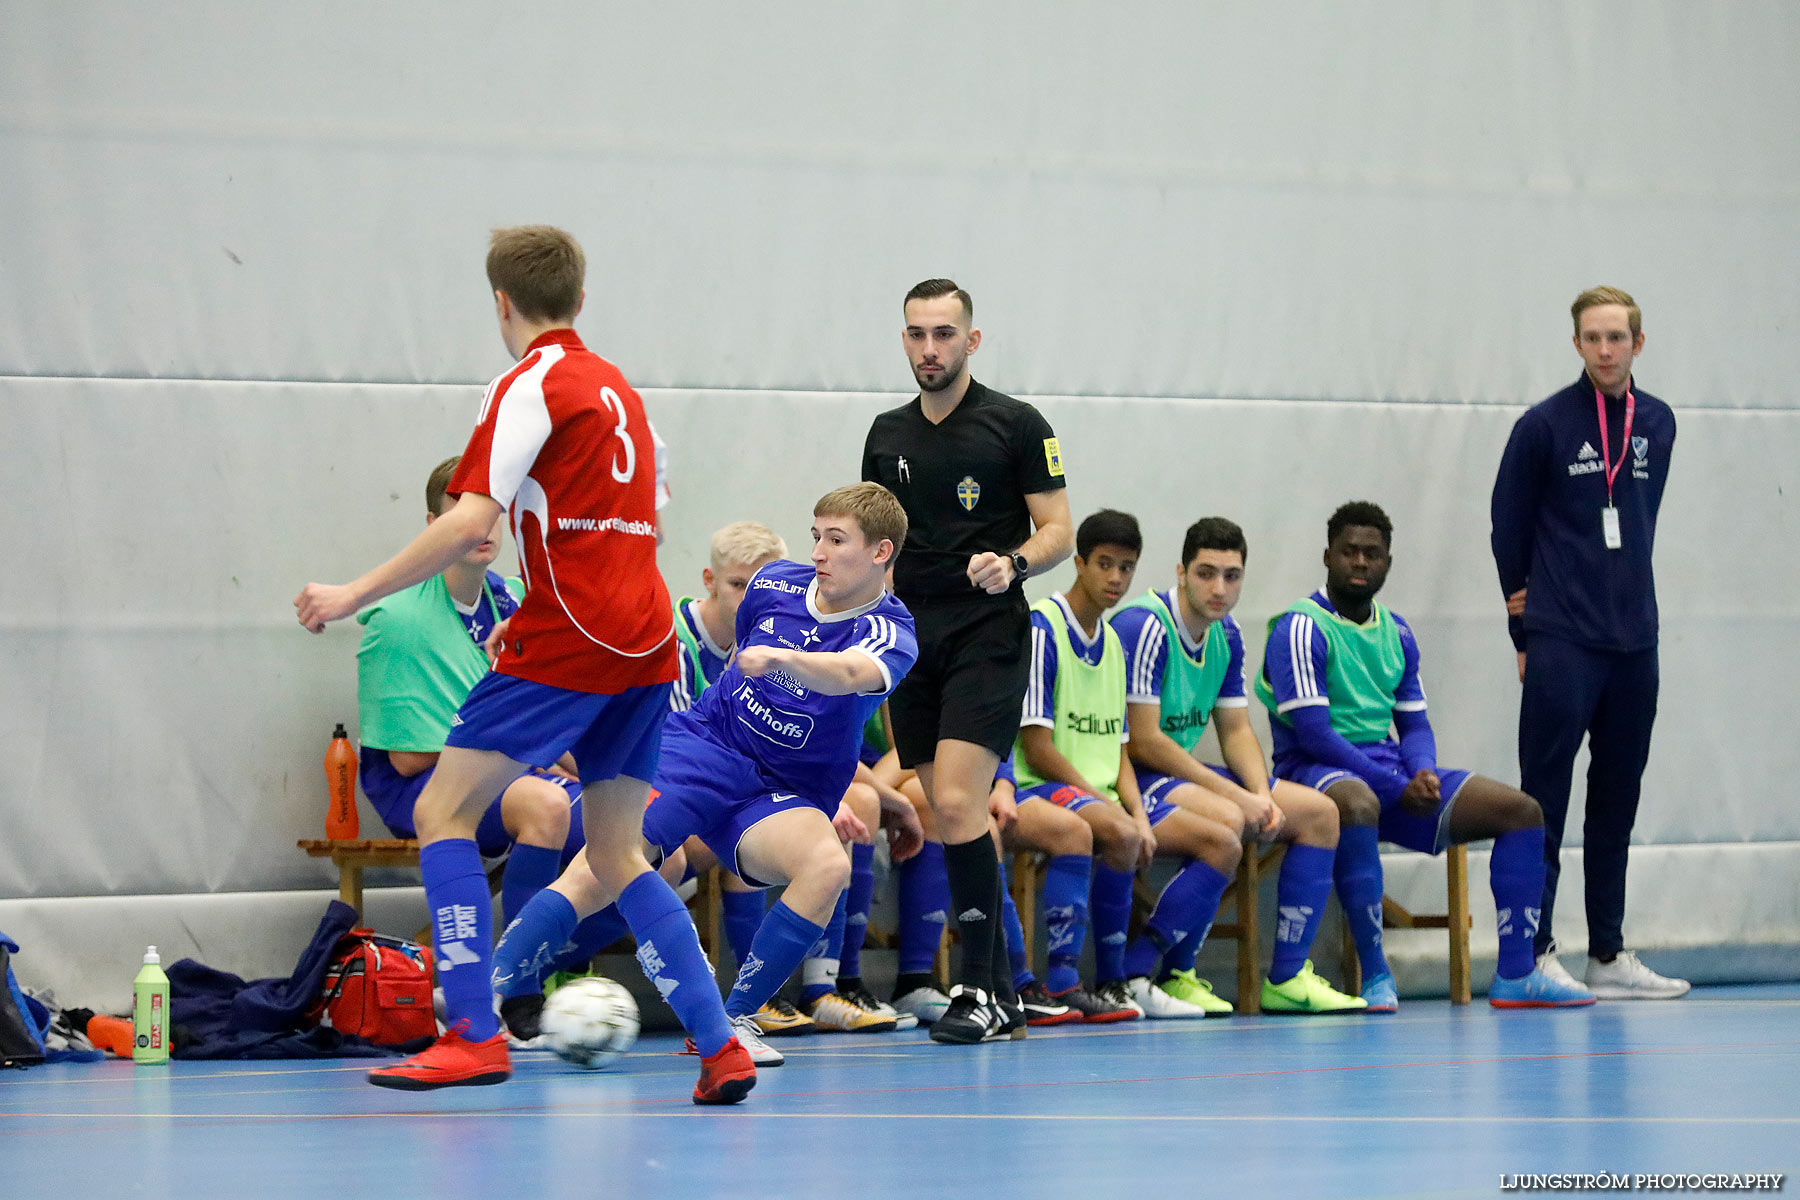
column 747, row 1113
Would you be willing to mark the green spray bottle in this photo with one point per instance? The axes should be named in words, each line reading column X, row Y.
column 150, row 1012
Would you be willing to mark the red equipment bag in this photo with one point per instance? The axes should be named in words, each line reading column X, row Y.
column 377, row 988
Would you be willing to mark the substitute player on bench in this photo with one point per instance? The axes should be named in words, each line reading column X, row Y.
column 1340, row 673
column 1187, row 670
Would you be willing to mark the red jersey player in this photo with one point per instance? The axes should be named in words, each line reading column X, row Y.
column 584, row 667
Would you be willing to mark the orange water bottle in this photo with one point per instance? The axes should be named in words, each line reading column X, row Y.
column 340, row 783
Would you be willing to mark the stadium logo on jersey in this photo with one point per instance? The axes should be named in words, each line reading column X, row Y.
column 1053, row 456
column 780, row 585
column 1194, row 718
column 1094, row 723
column 778, row 725
column 1587, row 452
column 968, row 493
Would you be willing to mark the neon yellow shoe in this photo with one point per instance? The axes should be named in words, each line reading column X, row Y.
column 1308, row 994
column 1189, row 987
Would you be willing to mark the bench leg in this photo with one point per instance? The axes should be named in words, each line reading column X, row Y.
column 1247, row 888
column 350, row 886
column 1456, row 868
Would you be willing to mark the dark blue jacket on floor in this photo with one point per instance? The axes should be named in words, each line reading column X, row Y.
column 215, row 1014
column 1546, row 510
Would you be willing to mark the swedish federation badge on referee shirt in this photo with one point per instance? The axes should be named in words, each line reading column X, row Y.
column 1053, row 456
column 968, row 493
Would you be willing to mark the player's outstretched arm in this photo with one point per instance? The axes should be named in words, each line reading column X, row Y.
column 834, row 673
column 438, row 545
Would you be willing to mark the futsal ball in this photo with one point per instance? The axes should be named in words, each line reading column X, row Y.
column 590, row 1021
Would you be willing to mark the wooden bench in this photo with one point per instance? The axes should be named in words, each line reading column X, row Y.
column 1456, row 921
column 352, row 858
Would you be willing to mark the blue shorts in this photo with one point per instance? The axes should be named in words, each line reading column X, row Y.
column 714, row 793
column 1067, row 795
column 537, row 724
column 1428, row 833
column 392, row 795
column 1150, row 783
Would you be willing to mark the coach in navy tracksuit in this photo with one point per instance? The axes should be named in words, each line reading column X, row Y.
column 1574, row 523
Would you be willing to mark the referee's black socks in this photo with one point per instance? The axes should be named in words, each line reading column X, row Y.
column 975, row 894
column 1001, row 962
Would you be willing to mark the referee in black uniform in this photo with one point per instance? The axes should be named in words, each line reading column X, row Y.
column 976, row 472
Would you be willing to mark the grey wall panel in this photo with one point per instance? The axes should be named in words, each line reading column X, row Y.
column 1391, row 201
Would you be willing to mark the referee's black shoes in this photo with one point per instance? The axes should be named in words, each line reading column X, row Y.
column 975, row 1016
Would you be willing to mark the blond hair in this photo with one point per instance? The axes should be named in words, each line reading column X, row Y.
column 1594, row 297
column 439, row 483
column 876, row 512
column 540, row 268
column 745, row 544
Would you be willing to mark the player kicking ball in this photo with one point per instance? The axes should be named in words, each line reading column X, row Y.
column 1340, row 672
column 584, row 667
column 758, row 767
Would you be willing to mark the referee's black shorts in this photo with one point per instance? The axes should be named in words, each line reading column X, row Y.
column 969, row 680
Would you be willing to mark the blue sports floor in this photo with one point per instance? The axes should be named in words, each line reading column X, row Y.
column 1434, row 1101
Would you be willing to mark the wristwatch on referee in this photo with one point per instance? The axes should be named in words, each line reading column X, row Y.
column 1021, row 567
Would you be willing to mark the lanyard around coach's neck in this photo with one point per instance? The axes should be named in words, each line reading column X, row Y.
column 1612, row 468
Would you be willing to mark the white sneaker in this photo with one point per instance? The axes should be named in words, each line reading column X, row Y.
column 927, row 1004
column 1158, row 1005
column 1546, row 962
column 1626, row 978
column 749, row 1036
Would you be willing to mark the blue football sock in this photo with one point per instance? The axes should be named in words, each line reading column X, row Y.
column 462, row 929
column 857, row 898
column 1018, row 954
column 529, row 870
column 535, row 936
column 781, row 943
column 741, row 914
column 1516, row 873
column 1189, row 902
column 1066, row 917
column 1111, row 900
column 669, row 952
column 924, row 888
column 820, row 970
column 593, row 935
column 1358, row 873
column 1301, row 891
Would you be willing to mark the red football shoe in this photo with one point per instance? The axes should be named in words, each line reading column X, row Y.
column 726, row 1077
column 449, row 1062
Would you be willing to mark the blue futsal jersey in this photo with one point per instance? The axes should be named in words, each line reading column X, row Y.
column 800, row 740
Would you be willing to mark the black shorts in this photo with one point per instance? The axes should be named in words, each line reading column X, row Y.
column 969, row 681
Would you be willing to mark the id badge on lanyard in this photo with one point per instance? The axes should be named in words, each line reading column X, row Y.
column 1609, row 516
